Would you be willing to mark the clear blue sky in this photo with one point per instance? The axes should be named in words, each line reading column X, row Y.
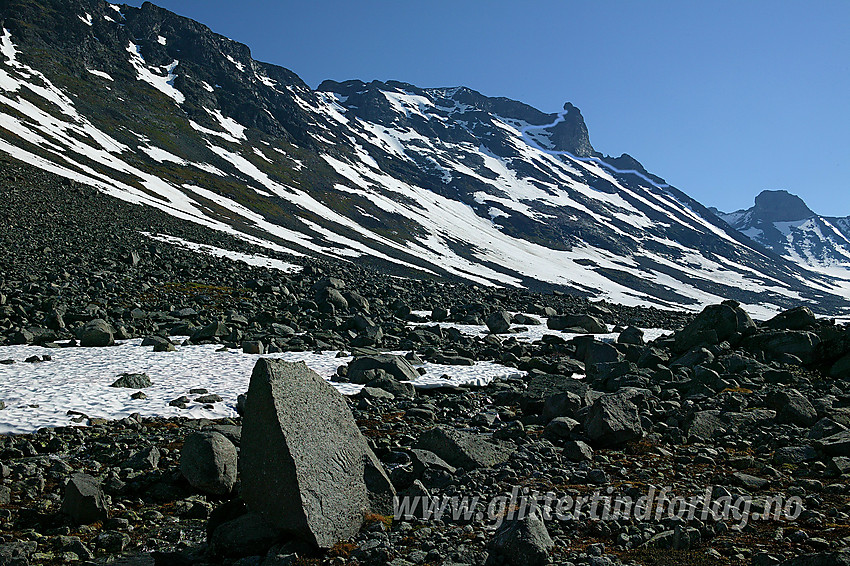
column 723, row 99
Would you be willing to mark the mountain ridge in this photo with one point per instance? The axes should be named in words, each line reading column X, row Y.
column 157, row 109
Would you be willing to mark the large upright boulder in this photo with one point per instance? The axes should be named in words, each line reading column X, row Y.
column 306, row 469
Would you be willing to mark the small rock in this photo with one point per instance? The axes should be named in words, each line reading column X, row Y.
column 577, row 451
column 631, row 335
column 207, row 399
column 75, row 545
column 499, row 322
column 560, row 428
column 793, row 408
column 798, row 318
column 253, row 347
column 750, row 482
column 208, row 461
column 84, row 502
column 145, row 459
column 396, row 366
column 523, row 542
column 132, row 381
column 247, row 535
column 613, row 419
column 462, row 449
column 579, row 322
column 164, row 347
column 841, row 558
column 97, row 333
column 113, row 542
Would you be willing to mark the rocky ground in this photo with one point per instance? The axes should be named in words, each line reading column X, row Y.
column 725, row 403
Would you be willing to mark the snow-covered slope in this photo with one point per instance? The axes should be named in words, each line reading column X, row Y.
column 783, row 223
column 158, row 110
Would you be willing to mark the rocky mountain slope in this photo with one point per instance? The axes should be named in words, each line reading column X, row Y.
column 784, row 224
column 156, row 109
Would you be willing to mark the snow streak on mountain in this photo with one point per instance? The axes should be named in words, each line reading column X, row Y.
column 156, row 109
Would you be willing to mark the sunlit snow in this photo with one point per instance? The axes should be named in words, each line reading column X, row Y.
column 163, row 83
column 100, row 74
column 250, row 259
column 78, row 379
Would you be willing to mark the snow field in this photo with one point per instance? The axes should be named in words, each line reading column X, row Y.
column 78, row 379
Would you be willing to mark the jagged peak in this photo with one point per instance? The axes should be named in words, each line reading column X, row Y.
column 570, row 134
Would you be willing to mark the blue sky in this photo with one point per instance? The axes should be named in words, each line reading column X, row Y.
column 723, row 99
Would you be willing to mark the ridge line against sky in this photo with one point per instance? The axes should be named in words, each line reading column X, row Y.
column 721, row 99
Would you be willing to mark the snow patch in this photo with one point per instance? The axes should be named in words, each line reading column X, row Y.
column 223, row 135
column 497, row 212
column 160, row 155
column 164, row 84
column 261, row 155
column 265, row 80
column 230, row 125
column 236, row 63
column 100, row 74
column 409, row 104
column 255, row 260
column 78, row 379
column 7, row 48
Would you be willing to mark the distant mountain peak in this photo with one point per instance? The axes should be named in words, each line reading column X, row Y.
column 783, row 223
column 780, row 206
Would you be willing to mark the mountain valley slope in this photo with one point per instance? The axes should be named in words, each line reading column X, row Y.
column 156, row 109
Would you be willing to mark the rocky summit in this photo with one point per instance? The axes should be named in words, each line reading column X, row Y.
column 666, row 391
